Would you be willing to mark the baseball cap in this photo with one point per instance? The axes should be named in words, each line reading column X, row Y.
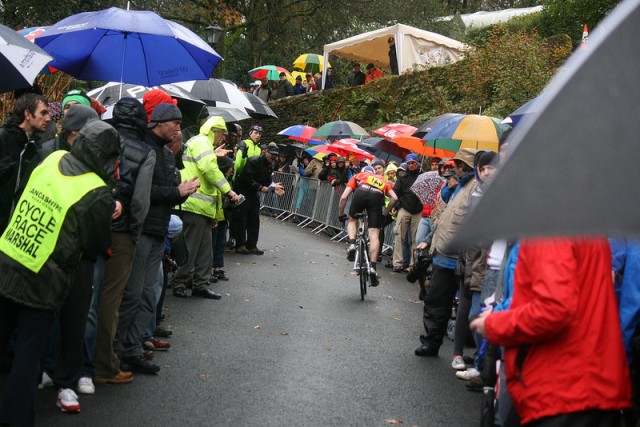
column 78, row 116
column 164, row 113
column 273, row 148
column 466, row 155
column 402, row 167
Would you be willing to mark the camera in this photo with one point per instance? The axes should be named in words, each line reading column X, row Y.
column 423, row 261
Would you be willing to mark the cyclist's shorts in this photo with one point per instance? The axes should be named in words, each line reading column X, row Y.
column 372, row 201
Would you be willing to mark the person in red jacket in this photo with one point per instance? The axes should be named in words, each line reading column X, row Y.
column 564, row 356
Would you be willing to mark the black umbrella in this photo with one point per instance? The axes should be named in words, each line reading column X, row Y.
column 573, row 166
column 260, row 108
column 110, row 93
column 228, row 114
column 20, row 60
column 383, row 149
column 426, row 127
column 216, row 92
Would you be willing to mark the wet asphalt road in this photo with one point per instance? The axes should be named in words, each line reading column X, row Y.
column 290, row 344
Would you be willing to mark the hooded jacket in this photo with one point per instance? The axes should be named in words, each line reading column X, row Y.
column 84, row 232
column 130, row 120
column 407, row 199
column 563, row 308
column 164, row 187
column 200, row 160
column 18, row 158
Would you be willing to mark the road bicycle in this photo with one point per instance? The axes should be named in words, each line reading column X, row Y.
column 361, row 263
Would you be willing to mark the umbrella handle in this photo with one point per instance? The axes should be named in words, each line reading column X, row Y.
column 124, row 52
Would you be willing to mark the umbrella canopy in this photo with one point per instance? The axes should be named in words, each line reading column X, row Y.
column 300, row 133
column 383, row 149
column 392, row 130
column 20, row 60
column 416, row 145
column 426, row 127
column 214, row 91
column 551, row 182
column 426, row 187
column 347, row 147
column 318, row 151
column 466, row 131
column 110, row 93
column 309, row 63
column 528, row 108
column 269, row 72
column 127, row 46
column 340, row 129
column 261, row 109
column 228, row 114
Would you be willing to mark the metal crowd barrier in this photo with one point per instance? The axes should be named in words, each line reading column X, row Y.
column 312, row 203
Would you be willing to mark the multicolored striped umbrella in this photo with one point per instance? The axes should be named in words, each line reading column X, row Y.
column 426, row 127
column 309, row 63
column 466, row 131
column 301, row 133
column 416, row 145
column 270, row 72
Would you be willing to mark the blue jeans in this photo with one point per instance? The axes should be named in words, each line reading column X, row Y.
column 218, row 243
column 90, row 332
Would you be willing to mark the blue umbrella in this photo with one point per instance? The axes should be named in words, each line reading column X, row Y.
column 127, row 46
column 528, row 108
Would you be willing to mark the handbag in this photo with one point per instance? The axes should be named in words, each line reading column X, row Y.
column 179, row 250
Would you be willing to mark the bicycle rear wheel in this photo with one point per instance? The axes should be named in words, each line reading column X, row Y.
column 363, row 268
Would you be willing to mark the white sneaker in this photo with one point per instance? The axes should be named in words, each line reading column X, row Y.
column 68, row 400
column 46, row 381
column 468, row 375
column 458, row 363
column 351, row 252
column 85, row 386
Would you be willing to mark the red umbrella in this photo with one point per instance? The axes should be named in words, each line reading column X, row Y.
column 300, row 133
column 347, row 147
column 392, row 130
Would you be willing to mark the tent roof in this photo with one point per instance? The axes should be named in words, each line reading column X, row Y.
column 372, row 46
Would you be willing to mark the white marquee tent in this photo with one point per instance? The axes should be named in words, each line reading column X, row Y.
column 414, row 48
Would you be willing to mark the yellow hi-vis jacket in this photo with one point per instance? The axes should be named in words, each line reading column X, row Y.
column 200, row 160
column 32, row 233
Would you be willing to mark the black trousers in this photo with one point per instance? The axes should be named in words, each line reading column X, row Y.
column 70, row 328
column 438, row 303
column 246, row 221
column 32, row 327
column 590, row 418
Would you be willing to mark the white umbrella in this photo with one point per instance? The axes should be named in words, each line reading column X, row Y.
column 214, row 91
column 20, row 60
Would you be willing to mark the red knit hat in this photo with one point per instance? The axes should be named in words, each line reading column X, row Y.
column 155, row 97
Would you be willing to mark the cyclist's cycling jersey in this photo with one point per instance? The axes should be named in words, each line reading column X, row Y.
column 370, row 182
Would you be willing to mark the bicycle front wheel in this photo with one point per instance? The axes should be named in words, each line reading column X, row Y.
column 363, row 268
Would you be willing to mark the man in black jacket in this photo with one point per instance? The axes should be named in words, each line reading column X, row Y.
column 19, row 144
column 130, row 120
column 138, row 303
column 255, row 178
column 408, row 212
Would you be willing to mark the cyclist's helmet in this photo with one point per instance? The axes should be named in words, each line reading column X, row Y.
column 368, row 169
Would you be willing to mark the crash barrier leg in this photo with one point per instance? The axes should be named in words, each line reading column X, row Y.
column 323, row 202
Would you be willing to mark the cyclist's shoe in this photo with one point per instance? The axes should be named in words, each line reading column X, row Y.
column 375, row 278
column 351, row 252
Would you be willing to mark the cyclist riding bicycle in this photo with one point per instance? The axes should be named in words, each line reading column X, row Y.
column 369, row 189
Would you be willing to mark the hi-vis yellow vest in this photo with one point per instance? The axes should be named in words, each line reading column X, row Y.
column 31, row 236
